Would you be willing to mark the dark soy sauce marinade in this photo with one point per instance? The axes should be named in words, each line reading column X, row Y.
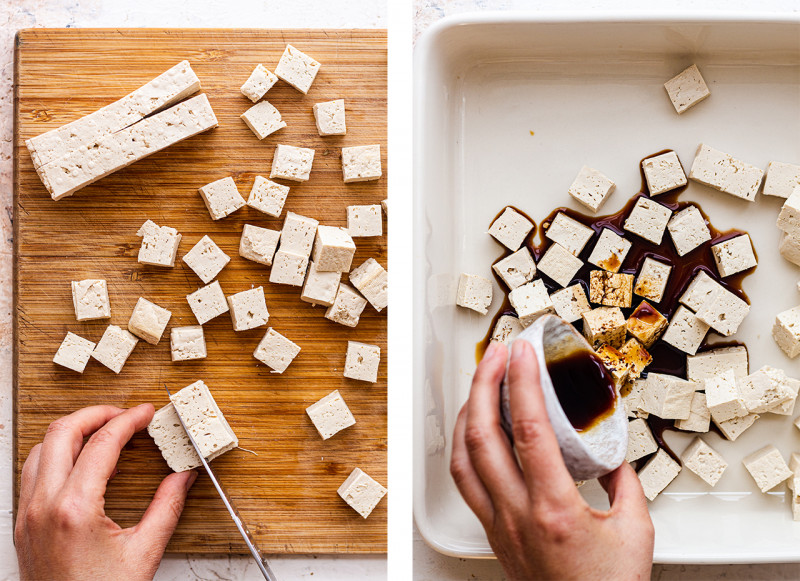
column 585, row 388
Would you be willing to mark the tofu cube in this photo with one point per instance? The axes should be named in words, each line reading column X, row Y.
column 372, row 281
column 329, row 117
column 159, row 244
column 685, row 331
column 320, row 287
column 330, row 415
column 640, row 440
column 667, row 396
column 74, row 352
column 510, row 229
column 361, row 163
column 789, row 248
column 781, row 179
column 334, row 249
column 363, row 221
column 610, row 289
column 114, row 348
column 297, row 69
column 735, row 427
column 148, row 321
column 631, row 393
column 636, row 356
column 784, row 382
column 170, row 437
column 723, row 398
column 767, row 467
column 361, row 492
column 704, row 461
column 591, row 188
column 258, row 244
column 258, row 83
column 604, row 325
column 569, row 233
column 615, row 362
column 789, row 217
column 570, row 303
column 711, row 363
column 204, row 420
column 474, row 292
column 701, row 290
column 786, row 332
column 646, row 324
column 362, row 361
column 207, row 302
column 248, row 309
column 725, row 173
column 699, row 419
column 516, row 269
column 663, row 173
column 531, row 301
column 734, row 255
column 688, row 230
column 292, row 163
column 648, row 219
column 276, row 351
column 267, row 196
column 506, row 329
column 187, row 343
column 559, row 264
column 347, row 306
column 656, row 475
column 761, row 394
column 652, row 280
column 222, row 198
column 90, row 299
column 687, row 89
column 206, row 259
column 724, row 312
column 610, row 251
column 298, row 233
column 263, row 119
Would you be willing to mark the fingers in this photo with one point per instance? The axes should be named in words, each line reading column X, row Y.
column 625, row 492
column 539, row 454
column 161, row 517
column 28, row 480
column 467, row 480
column 98, row 459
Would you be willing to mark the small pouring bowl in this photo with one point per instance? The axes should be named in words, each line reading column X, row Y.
column 588, row 453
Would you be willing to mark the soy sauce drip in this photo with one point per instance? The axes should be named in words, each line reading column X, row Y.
column 584, row 387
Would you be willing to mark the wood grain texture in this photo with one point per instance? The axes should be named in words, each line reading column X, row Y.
column 287, row 492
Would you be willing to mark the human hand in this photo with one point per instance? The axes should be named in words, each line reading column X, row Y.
column 62, row 531
column 537, row 523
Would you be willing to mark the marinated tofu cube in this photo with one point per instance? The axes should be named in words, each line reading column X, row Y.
column 604, row 325
column 640, row 440
column 724, row 312
column 725, row 173
column 704, row 461
column 531, row 301
column 263, row 119
column 372, row 281
column 688, row 230
column 248, row 309
column 258, row 83
column 715, row 361
column 652, row 280
column 74, row 352
column 648, row 219
column 610, row 251
column 569, row 233
column 559, row 265
column 663, row 173
column 187, row 343
column 267, row 196
column 276, row 351
column 361, row 163
column 615, row 362
column 506, row 329
column 667, row 396
column 258, row 244
column 208, row 302
column 361, row 492
column 656, row 475
column 330, row 415
column 363, row 221
column 570, row 303
column 329, row 117
column 297, row 69
column 90, row 299
column 685, row 331
column 516, row 269
column 735, row 427
column 699, row 419
column 734, row 255
column 610, row 289
column 646, row 324
column 761, row 394
column 591, row 188
column 114, row 348
column 221, row 198
column 474, row 292
column 159, row 244
column 636, row 356
column 347, row 306
column 781, row 179
column 148, row 321
column 687, row 89
column 334, row 249
column 206, row 259
column 510, row 229
column 786, row 332
column 723, row 398
column 767, row 467
column 320, row 287
column 292, row 163
column 362, row 361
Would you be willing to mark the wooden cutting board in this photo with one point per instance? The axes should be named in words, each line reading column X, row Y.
column 286, row 489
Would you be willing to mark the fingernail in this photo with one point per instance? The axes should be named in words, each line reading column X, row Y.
column 518, row 349
column 191, row 479
column 490, row 350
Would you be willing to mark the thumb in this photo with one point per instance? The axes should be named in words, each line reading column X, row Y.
column 161, row 517
column 625, row 492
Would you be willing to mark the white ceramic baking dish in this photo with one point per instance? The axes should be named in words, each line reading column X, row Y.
column 508, row 107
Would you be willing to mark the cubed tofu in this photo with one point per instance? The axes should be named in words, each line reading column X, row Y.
column 362, row 361
column 329, row 117
column 559, row 264
column 789, row 248
column 292, row 163
column 789, row 217
column 631, row 393
column 320, row 287
column 74, row 352
column 159, row 244
column 611, row 289
column 364, row 221
column 723, row 398
column 248, row 309
column 222, row 198
column 263, row 119
column 781, row 179
column 361, row 163
column 725, row 173
column 90, row 299
column 206, row 259
column 591, row 188
column 786, row 331
column 168, row 434
column 347, row 306
column 615, row 362
column 276, row 351
column 114, row 348
column 510, row 229
column 474, row 292
column 667, row 396
column 570, row 303
column 531, row 301
column 636, row 356
column 297, row 69
column 656, row 475
column 207, row 302
column 724, row 312
column 648, row 219
column 372, row 281
column 700, row 291
column 506, row 329
column 646, row 324
column 604, row 325
column 652, row 280
column 148, row 321
column 663, row 173
column 688, row 230
column 204, row 420
column 783, row 381
column 334, row 249
column 704, row 461
column 516, row 269
column 734, row 255
column 761, row 394
column 258, row 83
column 685, row 331
column 735, row 427
column 767, row 467
column 699, row 419
column 258, row 244
column 267, row 196
column 610, row 251
column 686, row 89
column 298, row 234
column 640, row 440
column 330, row 415
column 569, row 233
column 361, row 492
column 187, row 343
column 715, row 361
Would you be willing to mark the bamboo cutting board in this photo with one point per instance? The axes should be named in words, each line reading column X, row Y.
column 286, row 491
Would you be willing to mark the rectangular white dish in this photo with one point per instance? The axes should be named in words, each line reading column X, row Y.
column 508, row 107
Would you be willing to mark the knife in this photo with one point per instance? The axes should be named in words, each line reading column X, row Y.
column 261, row 562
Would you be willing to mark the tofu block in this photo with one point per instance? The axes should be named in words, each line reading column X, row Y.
column 688, row 230
column 570, row 303
column 724, row 312
column 516, row 269
column 767, row 467
column 362, row 361
column 734, row 255
column 74, row 352
column 559, row 265
column 206, row 259
column 781, row 179
column 704, row 461
column 531, row 301
column 114, row 348
column 663, row 173
column 276, row 351
column 372, row 281
column 364, row 221
column 330, row 118
column 222, row 198
column 168, row 434
column 292, row 163
column 361, row 492
column 636, row 356
column 361, row 163
column 591, row 188
column 685, row 331
column 725, row 173
column 699, row 419
column 789, row 217
column 611, row 289
column 511, row 228
column 204, row 420
column 789, row 248
column 615, row 363
column 569, row 233
column 783, row 382
column 159, row 244
column 474, row 292
column 267, row 196
column 640, row 440
column 334, row 249
column 258, row 83
column 330, row 415
column 656, row 475
column 701, row 290
column 258, row 244
column 710, row 363
column 723, row 398
column 652, row 280
column 90, row 299
column 347, row 306
column 604, row 325
column 687, row 89
column 761, row 394
column 735, row 427
column 298, row 233
column 148, row 321
column 187, row 343
column 667, row 396
column 610, row 251
column 297, row 69
column 320, row 287
column 506, row 329
column 248, row 309
column 786, row 332
column 646, row 324
column 648, row 219
column 207, row 302
column 263, row 119
column 288, row 268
